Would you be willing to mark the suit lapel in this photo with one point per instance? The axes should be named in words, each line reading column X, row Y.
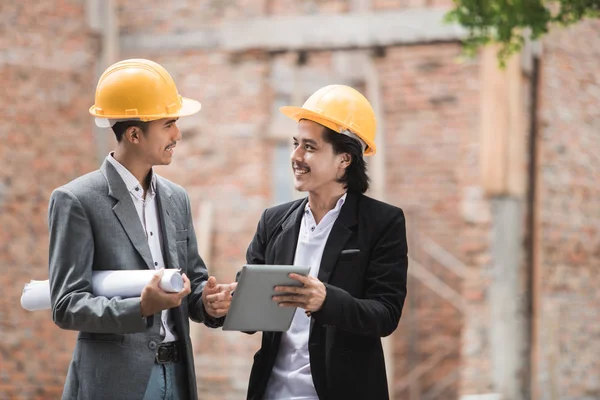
column 286, row 249
column 126, row 213
column 340, row 233
column 166, row 213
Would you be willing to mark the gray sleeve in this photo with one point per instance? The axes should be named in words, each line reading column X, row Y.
column 74, row 307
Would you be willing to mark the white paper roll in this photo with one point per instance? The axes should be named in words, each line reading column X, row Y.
column 125, row 283
column 36, row 296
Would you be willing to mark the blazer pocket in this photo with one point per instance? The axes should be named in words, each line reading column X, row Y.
column 350, row 251
column 101, row 337
column 349, row 257
column 181, row 236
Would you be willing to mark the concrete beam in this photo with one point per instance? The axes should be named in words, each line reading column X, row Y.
column 308, row 32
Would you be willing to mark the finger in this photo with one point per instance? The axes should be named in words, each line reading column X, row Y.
column 186, row 287
column 185, row 291
column 292, row 304
column 220, row 312
column 291, row 289
column 211, row 283
column 210, row 287
column 226, row 287
column 220, row 303
column 157, row 277
column 292, row 298
column 300, row 278
column 173, row 299
column 211, row 298
column 221, row 287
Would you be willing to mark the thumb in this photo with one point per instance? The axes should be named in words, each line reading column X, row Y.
column 211, row 284
column 157, row 277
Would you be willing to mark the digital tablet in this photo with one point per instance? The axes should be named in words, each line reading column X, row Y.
column 252, row 307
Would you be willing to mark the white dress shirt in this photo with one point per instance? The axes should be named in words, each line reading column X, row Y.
column 148, row 213
column 291, row 378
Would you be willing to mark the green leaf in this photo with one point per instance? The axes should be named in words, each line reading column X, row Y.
column 508, row 22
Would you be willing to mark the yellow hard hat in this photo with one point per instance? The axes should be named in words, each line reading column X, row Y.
column 339, row 108
column 141, row 90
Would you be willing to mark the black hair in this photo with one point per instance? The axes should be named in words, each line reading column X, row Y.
column 120, row 127
column 355, row 179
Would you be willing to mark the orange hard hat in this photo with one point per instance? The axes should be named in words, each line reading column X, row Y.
column 142, row 90
column 339, row 108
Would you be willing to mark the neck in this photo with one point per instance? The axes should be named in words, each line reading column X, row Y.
column 321, row 202
column 139, row 169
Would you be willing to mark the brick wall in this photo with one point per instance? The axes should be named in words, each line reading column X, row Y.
column 47, row 75
column 569, row 175
column 431, row 122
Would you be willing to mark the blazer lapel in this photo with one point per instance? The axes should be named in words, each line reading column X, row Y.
column 340, row 233
column 286, row 249
column 126, row 213
column 166, row 213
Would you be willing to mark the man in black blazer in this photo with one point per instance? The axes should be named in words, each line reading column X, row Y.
column 356, row 248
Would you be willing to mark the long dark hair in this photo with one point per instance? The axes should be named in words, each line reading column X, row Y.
column 355, row 179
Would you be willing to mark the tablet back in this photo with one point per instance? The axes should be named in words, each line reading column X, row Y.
column 252, row 307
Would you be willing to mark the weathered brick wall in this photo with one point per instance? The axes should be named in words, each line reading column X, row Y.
column 47, row 75
column 569, row 337
column 431, row 122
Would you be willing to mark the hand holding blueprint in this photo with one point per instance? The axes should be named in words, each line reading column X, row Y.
column 124, row 283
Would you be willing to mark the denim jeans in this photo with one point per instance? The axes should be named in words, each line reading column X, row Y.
column 167, row 382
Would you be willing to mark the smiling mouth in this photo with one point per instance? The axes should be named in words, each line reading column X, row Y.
column 170, row 148
column 299, row 171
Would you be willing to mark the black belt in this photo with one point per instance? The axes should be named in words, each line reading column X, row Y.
column 168, row 352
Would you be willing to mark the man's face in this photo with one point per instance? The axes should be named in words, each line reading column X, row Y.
column 314, row 163
column 157, row 145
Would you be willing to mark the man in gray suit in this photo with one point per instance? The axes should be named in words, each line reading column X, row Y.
column 124, row 216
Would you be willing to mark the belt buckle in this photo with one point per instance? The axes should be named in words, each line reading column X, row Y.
column 166, row 353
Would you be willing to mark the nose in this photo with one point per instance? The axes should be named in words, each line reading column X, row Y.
column 177, row 133
column 297, row 154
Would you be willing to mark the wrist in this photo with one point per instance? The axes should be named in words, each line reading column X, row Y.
column 143, row 310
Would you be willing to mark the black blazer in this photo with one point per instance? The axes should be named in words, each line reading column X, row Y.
column 365, row 294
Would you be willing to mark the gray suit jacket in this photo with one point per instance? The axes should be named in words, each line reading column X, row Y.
column 94, row 226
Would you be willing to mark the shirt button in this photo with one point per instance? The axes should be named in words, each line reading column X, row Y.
column 155, row 264
column 151, row 233
column 137, row 188
column 152, row 345
column 312, row 229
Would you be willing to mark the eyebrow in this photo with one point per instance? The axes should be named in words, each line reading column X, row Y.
column 170, row 121
column 307, row 141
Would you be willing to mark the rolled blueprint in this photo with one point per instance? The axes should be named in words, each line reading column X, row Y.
column 125, row 283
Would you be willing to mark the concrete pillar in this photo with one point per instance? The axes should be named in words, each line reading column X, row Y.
column 508, row 327
column 504, row 173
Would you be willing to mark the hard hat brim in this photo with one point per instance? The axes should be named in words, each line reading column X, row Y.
column 188, row 107
column 298, row 113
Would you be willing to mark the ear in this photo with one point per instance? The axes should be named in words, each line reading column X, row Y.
column 132, row 134
column 345, row 160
